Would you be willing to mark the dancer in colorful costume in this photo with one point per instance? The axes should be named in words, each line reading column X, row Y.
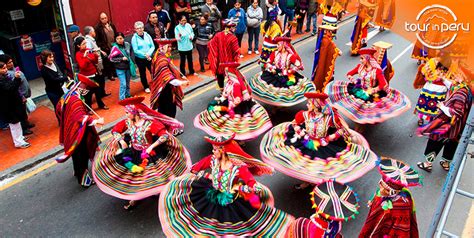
column 381, row 56
column 445, row 130
column 226, row 202
column 234, row 111
column 280, row 84
column 367, row 99
column 325, row 55
column 143, row 156
column 334, row 203
column 270, row 29
column 385, row 16
column 223, row 47
column 434, row 89
column 361, row 27
column 77, row 131
column 166, row 91
column 392, row 209
column 317, row 146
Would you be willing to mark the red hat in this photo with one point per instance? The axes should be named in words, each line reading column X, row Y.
column 221, row 140
column 87, row 81
column 281, row 38
column 367, row 51
column 229, row 65
column 164, row 41
column 321, row 96
column 131, row 101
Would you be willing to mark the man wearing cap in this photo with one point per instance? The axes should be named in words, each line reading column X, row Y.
column 77, row 131
column 73, row 33
column 392, row 208
column 166, row 91
column 224, row 47
column 325, row 56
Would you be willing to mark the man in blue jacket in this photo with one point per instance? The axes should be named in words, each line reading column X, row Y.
column 239, row 13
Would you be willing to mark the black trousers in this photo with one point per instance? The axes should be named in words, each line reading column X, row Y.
column 434, row 147
column 220, row 80
column 80, row 159
column 300, row 21
column 183, row 56
column 239, row 38
column 203, row 52
column 98, row 92
column 109, row 68
column 165, row 102
column 142, row 65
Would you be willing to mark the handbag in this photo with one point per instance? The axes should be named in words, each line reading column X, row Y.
column 30, row 105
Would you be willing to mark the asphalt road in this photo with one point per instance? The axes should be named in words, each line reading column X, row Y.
column 52, row 204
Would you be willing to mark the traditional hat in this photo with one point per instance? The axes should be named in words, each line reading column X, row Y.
column 317, row 95
column 165, row 41
column 87, row 81
column 131, row 101
column 282, row 38
column 396, row 173
column 367, row 51
column 273, row 14
column 329, row 19
column 230, row 22
column 335, row 201
column 220, row 140
column 328, row 27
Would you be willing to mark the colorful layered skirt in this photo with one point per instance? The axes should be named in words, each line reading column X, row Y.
column 340, row 160
column 431, row 94
column 187, row 209
column 306, row 228
column 272, row 89
column 248, row 120
column 116, row 180
column 365, row 109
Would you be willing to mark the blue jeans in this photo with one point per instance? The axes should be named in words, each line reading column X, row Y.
column 289, row 15
column 124, row 77
column 308, row 21
column 254, row 33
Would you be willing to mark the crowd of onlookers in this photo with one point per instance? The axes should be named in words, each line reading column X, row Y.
column 102, row 53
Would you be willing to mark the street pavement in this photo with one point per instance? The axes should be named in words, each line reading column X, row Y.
column 49, row 202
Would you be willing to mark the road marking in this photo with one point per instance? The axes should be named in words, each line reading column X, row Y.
column 369, row 36
column 23, row 176
column 403, row 52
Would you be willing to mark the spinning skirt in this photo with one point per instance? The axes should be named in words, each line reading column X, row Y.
column 118, row 181
column 186, row 210
column 338, row 160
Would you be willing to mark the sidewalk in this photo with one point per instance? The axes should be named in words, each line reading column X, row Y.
column 44, row 141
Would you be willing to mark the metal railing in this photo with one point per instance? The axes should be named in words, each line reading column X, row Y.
column 450, row 188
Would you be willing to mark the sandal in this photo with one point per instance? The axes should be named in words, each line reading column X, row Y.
column 425, row 167
column 445, row 165
column 301, row 186
column 130, row 205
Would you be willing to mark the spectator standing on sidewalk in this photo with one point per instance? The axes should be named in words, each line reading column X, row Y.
column 90, row 35
column 312, row 16
column 204, row 32
column 87, row 63
column 225, row 6
column 24, row 90
column 301, row 10
column 105, row 36
column 182, row 8
column 143, row 48
column 154, row 28
column 12, row 110
column 288, row 8
column 214, row 14
column 73, row 32
column 184, row 35
column 53, row 77
column 121, row 56
column 163, row 16
column 239, row 13
column 254, row 19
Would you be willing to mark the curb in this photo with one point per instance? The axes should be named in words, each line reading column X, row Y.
column 56, row 151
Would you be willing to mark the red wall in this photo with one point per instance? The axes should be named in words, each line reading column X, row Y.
column 123, row 13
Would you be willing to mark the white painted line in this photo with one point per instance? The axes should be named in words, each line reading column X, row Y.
column 403, row 52
column 369, row 36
